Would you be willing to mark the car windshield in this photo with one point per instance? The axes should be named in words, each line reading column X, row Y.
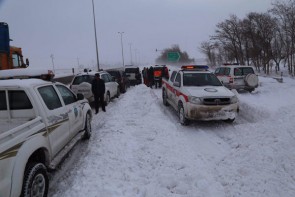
column 131, row 70
column 114, row 73
column 200, row 79
column 83, row 78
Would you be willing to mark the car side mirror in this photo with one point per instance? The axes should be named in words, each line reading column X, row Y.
column 176, row 83
column 80, row 96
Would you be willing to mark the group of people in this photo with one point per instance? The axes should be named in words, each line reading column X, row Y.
column 152, row 76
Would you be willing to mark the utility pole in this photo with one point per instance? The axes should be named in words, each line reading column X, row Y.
column 78, row 62
column 95, row 36
column 130, row 53
column 121, row 33
column 52, row 57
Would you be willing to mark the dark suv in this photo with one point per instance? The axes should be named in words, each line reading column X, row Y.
column 120, row 78
column 133, row 74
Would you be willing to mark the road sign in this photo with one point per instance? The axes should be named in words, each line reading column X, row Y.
column 173, row 56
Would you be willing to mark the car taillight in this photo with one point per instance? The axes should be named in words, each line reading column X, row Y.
column 231, row 80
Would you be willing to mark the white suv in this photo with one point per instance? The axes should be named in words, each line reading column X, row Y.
column 196, row 94
column 81, row 83
column 237, row 77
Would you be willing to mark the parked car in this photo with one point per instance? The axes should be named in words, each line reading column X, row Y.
column 120, row 78
column 239, row 77
column 133, row 74
column 41, row 121
column 81, row 83
column 160, row 71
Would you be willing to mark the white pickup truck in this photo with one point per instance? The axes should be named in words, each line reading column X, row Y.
column 40, row 121
column 197, row 94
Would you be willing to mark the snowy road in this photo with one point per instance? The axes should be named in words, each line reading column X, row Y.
column 138, row 149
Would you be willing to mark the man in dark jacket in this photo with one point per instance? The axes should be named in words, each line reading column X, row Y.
column 98, row 90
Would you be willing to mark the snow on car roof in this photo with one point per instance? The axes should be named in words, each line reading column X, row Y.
column 27, row 73
column 22, row 82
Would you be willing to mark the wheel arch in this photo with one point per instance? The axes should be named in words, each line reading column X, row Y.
column 33, row 151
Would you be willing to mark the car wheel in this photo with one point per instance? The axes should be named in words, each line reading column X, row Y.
column 108, row 99
column 164, row 96
column 230, row 120
column 88, row 129
column 182, row 119
column 124, row 88
column 118, row 92
column 35, row 180
column 251, row 90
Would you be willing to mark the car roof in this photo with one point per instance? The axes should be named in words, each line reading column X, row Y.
column 92, row 73
column 234, row 65
column 26, row 83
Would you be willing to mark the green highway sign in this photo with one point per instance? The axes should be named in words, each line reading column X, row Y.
column 173, row 56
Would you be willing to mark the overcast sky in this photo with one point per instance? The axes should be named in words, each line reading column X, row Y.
column 65, row 29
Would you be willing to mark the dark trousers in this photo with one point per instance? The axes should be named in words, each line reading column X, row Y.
column 99, row 101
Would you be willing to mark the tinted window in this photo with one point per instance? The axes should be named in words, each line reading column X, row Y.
column 242, row 71
column 19, row 100
column 83, row 78
column 178, row 78
column 67, row 96
column 173, row 76
column 158, row 68
column 115, row 73
column 3, row 105
column 50, row 97
column 105, row 78
column 110, row 77
column 222, row 71
column 131, row 70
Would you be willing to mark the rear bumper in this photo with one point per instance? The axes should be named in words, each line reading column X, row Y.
column 135, row 82
column 239, row 87
column 211, row 112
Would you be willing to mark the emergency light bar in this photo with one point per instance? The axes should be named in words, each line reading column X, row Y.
column 194, row 67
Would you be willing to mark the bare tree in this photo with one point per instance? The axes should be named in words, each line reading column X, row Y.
column 184, row 57
column 229, row 34
column 285, row 13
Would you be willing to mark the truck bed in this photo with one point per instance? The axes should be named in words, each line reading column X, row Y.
column 18, row 128
column 7, row 125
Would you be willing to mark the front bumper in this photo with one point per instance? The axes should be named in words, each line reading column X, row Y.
column 211, row 112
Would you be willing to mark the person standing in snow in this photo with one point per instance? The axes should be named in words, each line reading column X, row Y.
column 98, row 90
column 151, row 76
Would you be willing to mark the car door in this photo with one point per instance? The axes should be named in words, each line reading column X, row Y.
column 108, row 85
column 223, row 74
column 112, row 84
column 176, row 90
column 170, row 89
column 56, row 118
column 73, row 108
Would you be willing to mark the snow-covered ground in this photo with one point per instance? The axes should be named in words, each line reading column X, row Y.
column 138, row 149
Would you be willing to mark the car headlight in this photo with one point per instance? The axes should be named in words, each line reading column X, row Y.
column 234, row 99
column 194, row 100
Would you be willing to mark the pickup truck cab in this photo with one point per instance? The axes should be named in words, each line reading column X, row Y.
column 40, row 122
column 196, row 94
